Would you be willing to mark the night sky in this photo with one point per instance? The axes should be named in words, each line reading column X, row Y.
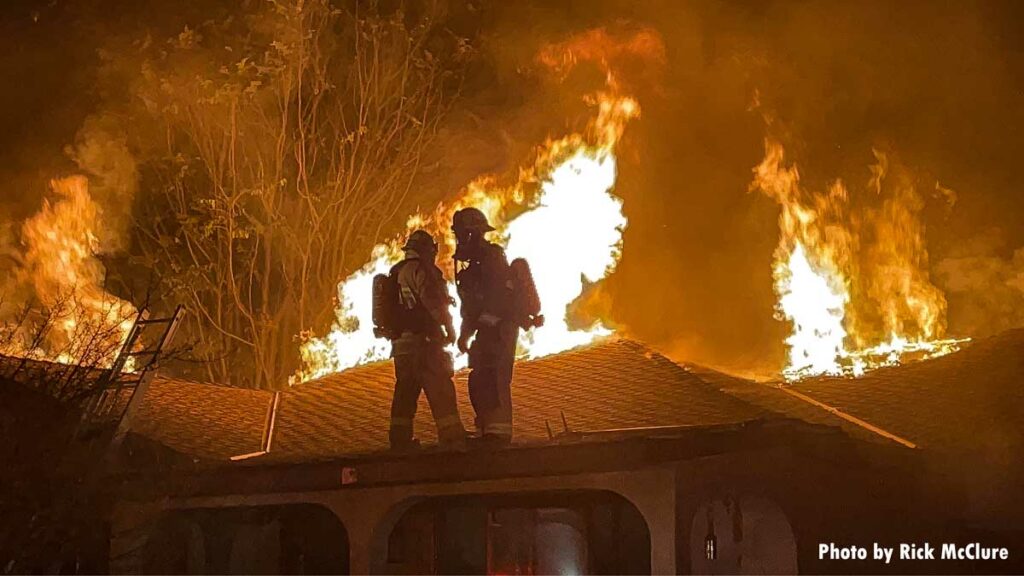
column 940, row 85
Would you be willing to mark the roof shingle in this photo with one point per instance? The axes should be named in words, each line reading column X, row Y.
column 613, row 384
column 968, row 402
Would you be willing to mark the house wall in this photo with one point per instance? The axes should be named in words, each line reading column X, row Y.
column 779, row 504
column 370, row 513
column 745, row 498
column 772, row 507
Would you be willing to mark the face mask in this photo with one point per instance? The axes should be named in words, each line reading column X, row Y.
column 465, row 242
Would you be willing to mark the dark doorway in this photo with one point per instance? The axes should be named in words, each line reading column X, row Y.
column 291, row 539
column 571, row 532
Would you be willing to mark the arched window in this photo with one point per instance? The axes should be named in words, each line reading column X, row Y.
column 746, row 535
column 289, row 539
column 566, row 532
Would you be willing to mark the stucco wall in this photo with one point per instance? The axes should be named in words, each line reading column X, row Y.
column 369, row 513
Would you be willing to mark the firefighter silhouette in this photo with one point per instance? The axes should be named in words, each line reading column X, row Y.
column 413, row 312
column 485, row 287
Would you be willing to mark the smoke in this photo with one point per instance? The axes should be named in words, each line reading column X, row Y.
column 933, row 87
column 101, row 151
column 984, row 282
column 53, row 131
column 530, row 85
column 53, row 239
column 936, row 85
column 82, row 219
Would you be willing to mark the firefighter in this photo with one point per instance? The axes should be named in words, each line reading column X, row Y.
column 421, row 362
column 485, row 289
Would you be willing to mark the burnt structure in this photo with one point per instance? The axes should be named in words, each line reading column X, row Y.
column 625, row 462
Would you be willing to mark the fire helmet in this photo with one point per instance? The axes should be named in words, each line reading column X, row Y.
column 470, row 220
column 420, row 241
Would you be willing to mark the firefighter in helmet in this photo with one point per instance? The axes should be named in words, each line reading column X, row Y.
column 485, row 289
column 421, row 362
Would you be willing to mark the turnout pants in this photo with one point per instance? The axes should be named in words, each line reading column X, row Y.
column 491, row 358
column 424, row 366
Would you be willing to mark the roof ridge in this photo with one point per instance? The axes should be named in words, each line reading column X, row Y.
column 685, row 367
column 357, row 367
column 600, row 341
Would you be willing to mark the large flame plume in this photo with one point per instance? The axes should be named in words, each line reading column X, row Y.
column 569, row 230
column 77, row 320
column 561, row 214
column 854, row 304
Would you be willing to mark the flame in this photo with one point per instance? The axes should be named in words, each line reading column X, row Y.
column 820, row 265
column 89, row 325
column 569, row 230
column 816, row 306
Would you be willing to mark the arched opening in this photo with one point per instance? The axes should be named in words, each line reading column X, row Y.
column 746, row 535
column 288, row 539
column 564, row 532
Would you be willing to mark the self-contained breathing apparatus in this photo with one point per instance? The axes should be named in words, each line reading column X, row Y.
column 518, row 299
column 393, row 312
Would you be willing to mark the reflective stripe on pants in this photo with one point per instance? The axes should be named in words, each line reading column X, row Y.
column 490, row 383
column 498, row 429
column 426, row 368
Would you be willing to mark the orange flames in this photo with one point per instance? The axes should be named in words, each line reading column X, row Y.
column 569, row 231
column 854, row 305
column 561, row 214
column 82, row 322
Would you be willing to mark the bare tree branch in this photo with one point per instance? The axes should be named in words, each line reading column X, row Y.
column 285, row 155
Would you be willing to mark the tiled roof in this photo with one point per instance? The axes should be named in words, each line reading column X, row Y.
column 967, row 402
column 610, row 385
column 208, row 422
column 964, row 410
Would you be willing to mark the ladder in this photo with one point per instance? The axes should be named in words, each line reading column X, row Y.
column 118, row 394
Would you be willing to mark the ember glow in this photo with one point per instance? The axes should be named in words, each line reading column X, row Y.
column 820, row 263
column 85, row 324
column 569, row 230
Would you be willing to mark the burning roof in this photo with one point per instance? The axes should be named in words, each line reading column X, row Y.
column 561, row 214
column 612, row 384
column 851, row 277
column 854, row 286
